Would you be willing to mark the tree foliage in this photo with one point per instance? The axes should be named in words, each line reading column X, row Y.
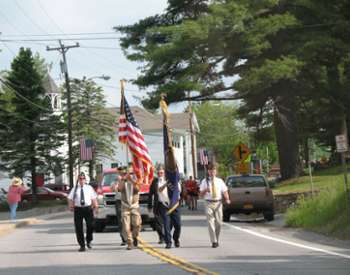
column 219, row 130
column 91, row 120
column 289, row 55
column 32, row 132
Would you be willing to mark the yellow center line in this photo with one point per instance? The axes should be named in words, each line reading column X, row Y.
column 174, row 260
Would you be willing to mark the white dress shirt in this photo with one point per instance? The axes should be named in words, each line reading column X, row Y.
column 220, row 188
column 163, row 196
column 89, row 195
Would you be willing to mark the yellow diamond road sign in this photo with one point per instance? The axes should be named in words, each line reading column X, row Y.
column 241, row 152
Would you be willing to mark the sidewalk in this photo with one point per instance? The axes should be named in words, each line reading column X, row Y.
column 28, row 217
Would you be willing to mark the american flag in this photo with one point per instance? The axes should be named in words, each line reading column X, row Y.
column 86, row 148
column 203, row 156
column 130, row 134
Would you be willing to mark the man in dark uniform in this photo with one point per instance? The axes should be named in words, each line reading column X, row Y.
column 153, row 203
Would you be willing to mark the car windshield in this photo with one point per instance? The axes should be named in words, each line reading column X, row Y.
column 249, row 181
column 108, row 179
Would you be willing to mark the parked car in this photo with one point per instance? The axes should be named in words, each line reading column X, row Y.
column 249, row 194
column 58, row 187
column 44, row 193
column 3, row 196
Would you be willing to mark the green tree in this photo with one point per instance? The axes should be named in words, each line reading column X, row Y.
column 273, row 46
column 91, row 120
column 34, row 131
column 220, row 130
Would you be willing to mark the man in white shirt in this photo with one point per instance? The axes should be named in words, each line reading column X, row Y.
column 82, row 200
column 213, row 189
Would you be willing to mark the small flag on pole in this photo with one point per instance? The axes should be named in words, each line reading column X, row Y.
column 203, row 156
column 86, row 148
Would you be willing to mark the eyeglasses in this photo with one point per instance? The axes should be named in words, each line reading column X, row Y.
column 81, row 178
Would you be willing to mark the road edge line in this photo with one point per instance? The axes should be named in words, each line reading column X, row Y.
column 289, row 242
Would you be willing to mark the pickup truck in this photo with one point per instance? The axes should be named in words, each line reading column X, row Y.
column 107, row 202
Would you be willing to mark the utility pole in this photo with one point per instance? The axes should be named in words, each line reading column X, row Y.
column 63, row 49
column 194, row 165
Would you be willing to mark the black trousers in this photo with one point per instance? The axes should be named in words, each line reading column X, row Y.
column 158, row 222
column 170, row 221
column 80, row 214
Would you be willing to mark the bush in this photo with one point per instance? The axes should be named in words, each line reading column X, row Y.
column 326, row 213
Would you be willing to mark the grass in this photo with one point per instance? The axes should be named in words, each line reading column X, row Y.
column 326, row 213
column 327, row 179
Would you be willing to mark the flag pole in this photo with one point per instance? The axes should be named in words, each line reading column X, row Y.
column 122, row 89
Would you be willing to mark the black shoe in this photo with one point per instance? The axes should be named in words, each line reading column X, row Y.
column 214, row 245
column 81, row 249
column 168, row 246
column 177, row 244
column 136, row 242
column 161, row 241
column 123, row 243
column 89, row 245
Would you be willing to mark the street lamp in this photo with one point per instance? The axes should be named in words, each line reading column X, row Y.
column 104, row 77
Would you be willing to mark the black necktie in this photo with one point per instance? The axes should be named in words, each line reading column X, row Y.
column 82, row 198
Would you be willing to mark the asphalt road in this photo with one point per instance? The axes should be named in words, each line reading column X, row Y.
column 253, row 247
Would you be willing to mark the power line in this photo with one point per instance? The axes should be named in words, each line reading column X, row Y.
column 58, row 34
column 48, row 16
column 63, row 39
column 28, row 17
column 101, row 48
column 23, row 97
column 9, row 22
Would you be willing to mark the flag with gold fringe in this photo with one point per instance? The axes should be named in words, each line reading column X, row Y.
column 172, row 175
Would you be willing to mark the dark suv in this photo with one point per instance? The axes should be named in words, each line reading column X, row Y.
column 248, row 194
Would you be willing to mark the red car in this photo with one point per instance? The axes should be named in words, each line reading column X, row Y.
column 44, row 193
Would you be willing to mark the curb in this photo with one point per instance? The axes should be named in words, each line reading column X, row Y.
column 7, row 228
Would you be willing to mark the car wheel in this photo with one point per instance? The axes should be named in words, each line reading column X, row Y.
column 226, row 217
column 269, row 216
column 99, row 226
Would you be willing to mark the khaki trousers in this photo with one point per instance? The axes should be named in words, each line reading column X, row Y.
column 214, row 218
column 131, row 220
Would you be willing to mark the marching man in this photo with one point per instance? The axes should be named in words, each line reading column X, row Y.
column 212, row 189
column 129, row 187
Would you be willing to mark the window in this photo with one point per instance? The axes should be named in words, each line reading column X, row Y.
column 246, row 181
column 108, row 179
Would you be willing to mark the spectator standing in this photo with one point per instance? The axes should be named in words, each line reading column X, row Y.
column 14, row 194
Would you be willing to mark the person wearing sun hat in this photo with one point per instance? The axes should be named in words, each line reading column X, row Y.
column 14, row 194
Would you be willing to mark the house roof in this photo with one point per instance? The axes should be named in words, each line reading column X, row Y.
column 50, row 85
column 153, row 122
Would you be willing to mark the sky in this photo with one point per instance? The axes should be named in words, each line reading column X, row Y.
column 21, row 18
